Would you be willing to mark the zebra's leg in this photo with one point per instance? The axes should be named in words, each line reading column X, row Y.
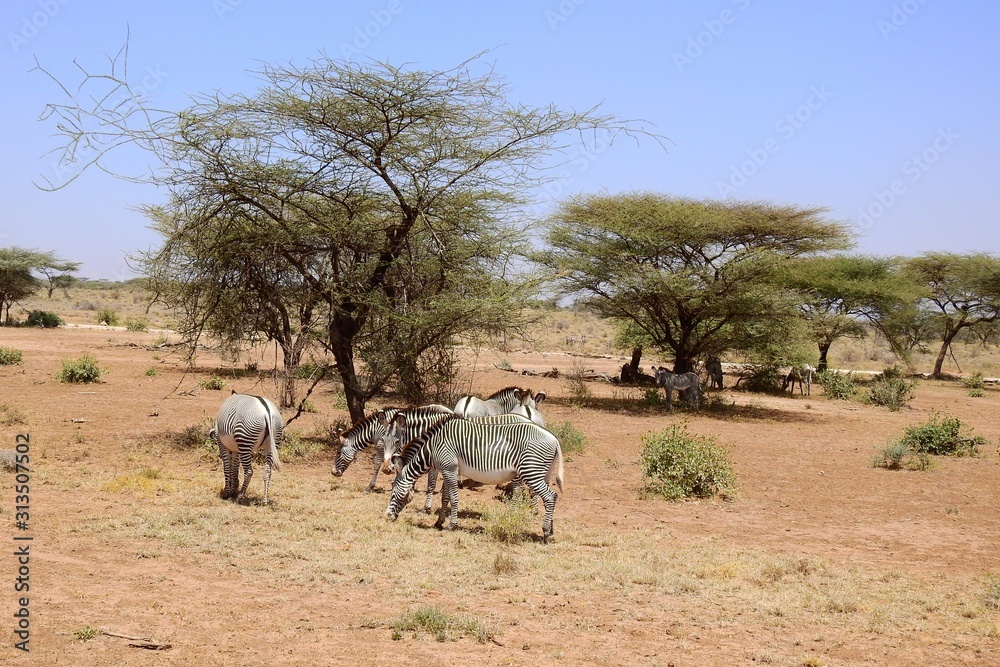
column 449, row 493
column 379, row 455
column 431, row 485
column 246, row 463
column 228, row 468
column 670, row 400
column 267, row 477
column 544, row 491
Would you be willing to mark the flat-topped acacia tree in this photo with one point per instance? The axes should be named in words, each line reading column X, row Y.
column 691, row 277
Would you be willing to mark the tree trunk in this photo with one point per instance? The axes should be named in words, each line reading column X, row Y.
column 342, row 349
column 943, row 352
column 636, row 360
column 683, row 364
column 292, row 359
column 824, row 348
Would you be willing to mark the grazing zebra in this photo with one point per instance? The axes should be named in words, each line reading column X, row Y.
column 488, row 453
column 687, row 384
column 499, row 403
column 802, row 375
column 714, row 369
column 372, row 429
column 243, row 425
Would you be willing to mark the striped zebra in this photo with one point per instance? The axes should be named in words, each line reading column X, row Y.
column 687, row 384
column 501, row 402
column 802, row 375
column 714, row 369
column 488, row 453
column 372, row 430
column 245, row 424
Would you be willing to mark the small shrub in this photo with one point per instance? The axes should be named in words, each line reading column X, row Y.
column 991, row 598
column 214, row 383
column 107, row 316
column 891, row 392
column 190, row 437
column 294, row 446
column 510, row 522
column 677, row 465
column 161, row 340
column 571, row 440
column 11, row 416
column 82, row 370
column 976, row 385
column 891, row 457
column 839, row 386
column 441, row 626
column 577, row 386
column 44, row 319
column 139, row 324
column 9, row 356
column 152, row 372
column 309, row 406
column 761, row 378
column 86, row 633
column 653, row 398
column 504, row 563
column 942, row 436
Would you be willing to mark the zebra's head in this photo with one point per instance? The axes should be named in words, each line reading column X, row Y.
column 346, row 451
column 398, row 500
column 392, row 442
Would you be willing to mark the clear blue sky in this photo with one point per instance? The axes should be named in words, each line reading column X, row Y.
column 884, row 111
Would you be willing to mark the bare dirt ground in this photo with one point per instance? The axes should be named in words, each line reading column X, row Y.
column 821, row 559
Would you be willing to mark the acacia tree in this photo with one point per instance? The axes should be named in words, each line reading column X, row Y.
column 962, row 292
column 18, row 267
column 694, row 277
column 347, row 161
column 59, row 276
column 840, row 293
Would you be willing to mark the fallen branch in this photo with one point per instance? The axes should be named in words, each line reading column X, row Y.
column 139, row 642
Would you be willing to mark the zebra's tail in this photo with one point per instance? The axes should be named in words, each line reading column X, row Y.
column 275, row 463
column 559, row 468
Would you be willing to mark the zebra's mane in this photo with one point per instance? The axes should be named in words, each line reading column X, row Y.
column 504, row 393
column 413, row 446
column 367, row 422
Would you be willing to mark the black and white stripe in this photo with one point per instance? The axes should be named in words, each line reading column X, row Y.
column 688, row 384
column 245, row 424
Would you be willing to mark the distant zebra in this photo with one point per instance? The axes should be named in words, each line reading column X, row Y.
column 803, row 375
column 488, row 453
column 714, row 369
column 243, row 425
column 372, row 429
column 499, row 403
column 688, row 384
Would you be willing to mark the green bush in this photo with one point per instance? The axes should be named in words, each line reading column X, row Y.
column 9, row 356
column 677, row 465
column 976, row 385
column 891, row 392
column 840, row 386
column 761, row 378
column 571, row 440
column 215, row 383
column 44, row 319
column 107, row 316
column 897, row 455
column 82, row 370
column 139, row 324
column 152, row 372
column 942, row 436
column 510, row 522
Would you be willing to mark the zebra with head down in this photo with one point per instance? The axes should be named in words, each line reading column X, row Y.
column 506, row 400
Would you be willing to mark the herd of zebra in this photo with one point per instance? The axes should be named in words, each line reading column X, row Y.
column 495, row 440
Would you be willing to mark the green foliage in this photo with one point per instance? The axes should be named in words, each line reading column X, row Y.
column 107, row 316
column 86, row 633
column 510, row 522
column 677, row 465
column 161, row 340
column 890, row 389
column 44, row 319
column 82, row 370
column 17, row 269
column 976, row 385
column 137, row 324
column 763, row 378
column 571, row 440
column 214, row 383
column 897, row 455
column 576, row 384
column 9, row 356
column 837, row 385
column 443, row 627
column 942, row 435
column 152, row 372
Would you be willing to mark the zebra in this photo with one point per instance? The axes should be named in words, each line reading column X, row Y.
column 714, row 369
column 243, row 425
column 499, row 403
column 687, row 384
column 488, row 453
column 802, row 375
column 372, row 430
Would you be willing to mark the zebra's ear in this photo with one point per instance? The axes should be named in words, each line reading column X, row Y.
column 539, row 397
column 399, row 420
column 233, row 391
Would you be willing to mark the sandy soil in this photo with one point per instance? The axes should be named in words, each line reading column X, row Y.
column 806, row 488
